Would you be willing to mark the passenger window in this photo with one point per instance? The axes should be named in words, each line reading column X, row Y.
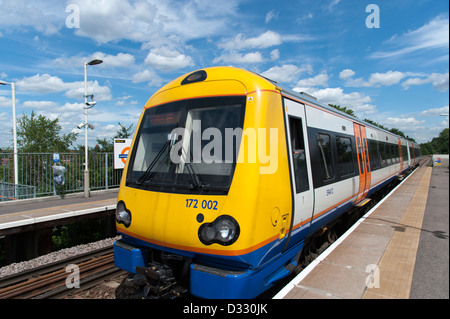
column 298, row 155
column 387, row 152
column 345, row 156
column 404, row 152
column 397, row 154
column 393, row 153
column 326, row 160
column 374, row 155
column 382, row 154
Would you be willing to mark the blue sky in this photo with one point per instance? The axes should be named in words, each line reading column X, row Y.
column 396, row 74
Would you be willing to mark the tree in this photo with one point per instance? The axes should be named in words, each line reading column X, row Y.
column 38, row 134
column 438, row 145
column 124, row 132
column 344, row 109
column 376, row 124
column 107, row 145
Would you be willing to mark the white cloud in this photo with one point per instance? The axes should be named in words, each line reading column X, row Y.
column 439, row 80
column 252, row 57
column 71, row 107
column 347, row 73
column 44, row 16
column 435, row 111
column 275, row 54
column 356, row 101
column 154, row 22
column 5, row 102
column 402, row 122
column 432, row 36
column 332, row 4
column 120, row 60
column 318, row 80
column 4, row 116
column 262, row 41
column 75, row 90
column 46, row 83
column 39, row 104
column 147, row 76
column 286, row 73
column 388, row 78
column 376, row 79
column 160, row 23
column 271, row 15
column 165, row 59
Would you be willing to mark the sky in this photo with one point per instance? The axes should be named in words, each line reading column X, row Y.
column 386, row 60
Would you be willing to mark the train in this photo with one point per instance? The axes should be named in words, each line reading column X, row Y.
column 228, row 176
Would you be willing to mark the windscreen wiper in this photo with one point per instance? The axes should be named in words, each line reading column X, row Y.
column 148, row 174
column 197, row 183
column 194, row 176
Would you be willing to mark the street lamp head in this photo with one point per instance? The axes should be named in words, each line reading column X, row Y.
column 95, row 62
column 4, row 83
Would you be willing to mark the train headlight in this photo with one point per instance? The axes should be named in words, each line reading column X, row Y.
column 123, row 215
column 224, row 231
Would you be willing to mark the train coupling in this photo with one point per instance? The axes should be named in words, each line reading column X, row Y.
column 153, row 282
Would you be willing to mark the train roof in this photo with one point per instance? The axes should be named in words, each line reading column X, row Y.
column 254, row 81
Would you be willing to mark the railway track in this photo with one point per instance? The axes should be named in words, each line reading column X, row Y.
column 57, row 279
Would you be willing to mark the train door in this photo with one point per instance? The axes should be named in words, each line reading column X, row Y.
column 363, row 161
column 303, row 195
column 400, row 154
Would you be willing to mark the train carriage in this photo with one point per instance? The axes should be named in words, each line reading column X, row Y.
column 229, row 174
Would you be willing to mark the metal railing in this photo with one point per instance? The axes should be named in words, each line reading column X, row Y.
column 10, row 191
column 35, row 170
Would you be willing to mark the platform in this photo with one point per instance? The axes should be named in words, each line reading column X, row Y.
column 26, row 226
column 391, row 252
column 26, row 214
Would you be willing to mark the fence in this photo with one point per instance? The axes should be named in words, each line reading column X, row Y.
column 10, row 191
column 35, row 170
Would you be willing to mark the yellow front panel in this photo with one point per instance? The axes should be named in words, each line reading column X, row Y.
column 259, row 197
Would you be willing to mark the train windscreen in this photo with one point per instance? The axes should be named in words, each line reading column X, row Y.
column 188, row 146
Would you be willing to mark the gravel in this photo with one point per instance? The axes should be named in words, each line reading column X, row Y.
column 55, row 256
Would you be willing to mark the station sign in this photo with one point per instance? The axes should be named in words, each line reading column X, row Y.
column 438, row 162
column 121, row 150
column 56, row 157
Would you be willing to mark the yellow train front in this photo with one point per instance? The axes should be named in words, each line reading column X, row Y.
column 205, row 197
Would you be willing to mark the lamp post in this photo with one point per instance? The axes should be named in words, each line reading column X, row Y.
column 15, row 159
column 87, row 105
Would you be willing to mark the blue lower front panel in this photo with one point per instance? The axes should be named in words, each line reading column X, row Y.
column 208, row 282
column 214, row 282
column 127, row 257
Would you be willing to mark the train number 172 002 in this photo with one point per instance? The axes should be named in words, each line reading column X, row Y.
column 206, row 204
